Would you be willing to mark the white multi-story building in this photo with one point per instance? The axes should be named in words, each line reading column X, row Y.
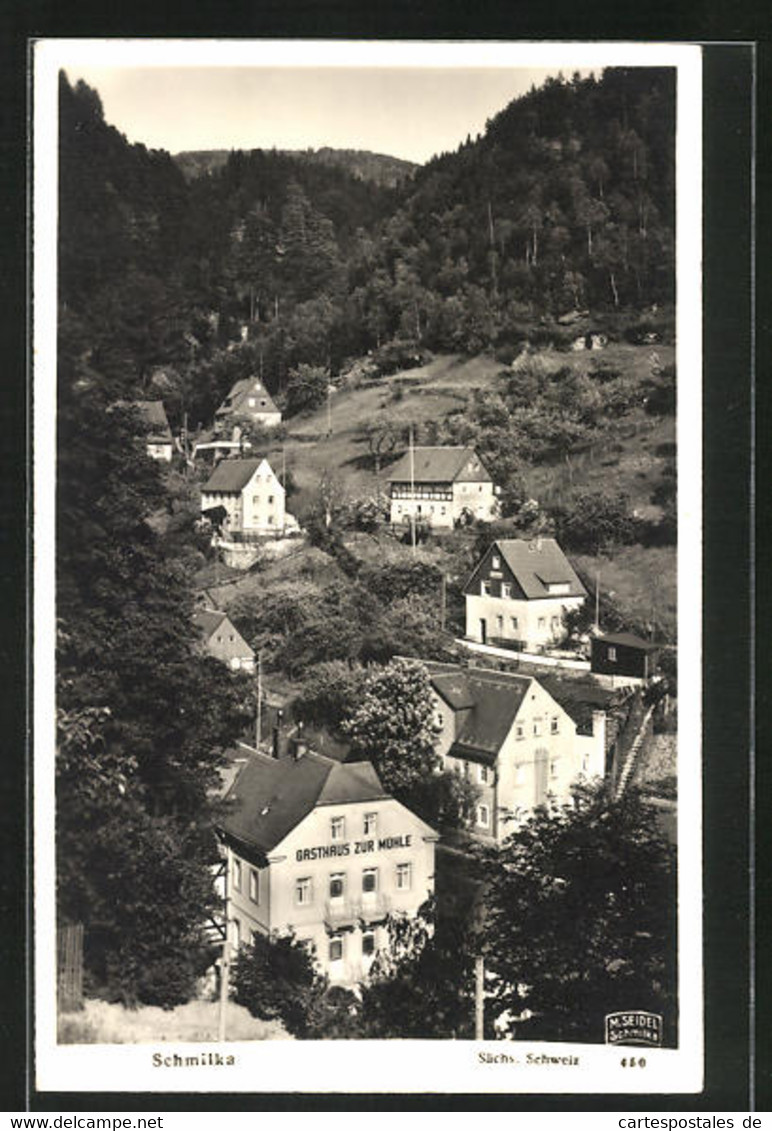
column 519, row 592
column 441, row 486
column 318, row 847
column 252, row 496
column 514, row 740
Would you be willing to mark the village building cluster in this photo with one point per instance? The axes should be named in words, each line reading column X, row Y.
column 312, row 843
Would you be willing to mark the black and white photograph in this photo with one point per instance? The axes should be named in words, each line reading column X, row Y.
column 368, row 481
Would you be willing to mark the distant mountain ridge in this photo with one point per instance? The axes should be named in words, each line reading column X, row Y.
column 379, row 168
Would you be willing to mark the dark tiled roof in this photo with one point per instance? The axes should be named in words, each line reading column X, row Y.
column 231, row 475
column 539, row 563
column 627, row 640
column 207, row 620
column 489, row 701
column 271, row 796
column 248, row 386
column 440, row 465
column 154, row 416
column 579, row 696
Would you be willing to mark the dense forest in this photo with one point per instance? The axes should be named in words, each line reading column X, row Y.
column 291, row 267
column 564, row 203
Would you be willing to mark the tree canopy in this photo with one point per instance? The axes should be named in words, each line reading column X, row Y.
column 581, row 919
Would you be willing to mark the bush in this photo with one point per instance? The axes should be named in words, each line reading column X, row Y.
column 596, row 520
column 276, row 979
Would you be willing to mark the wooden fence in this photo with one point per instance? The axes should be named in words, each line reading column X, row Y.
column 69, row 967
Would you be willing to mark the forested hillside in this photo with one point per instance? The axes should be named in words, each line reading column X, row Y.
column 376, row 167
column 559, row 217
column 177, row 288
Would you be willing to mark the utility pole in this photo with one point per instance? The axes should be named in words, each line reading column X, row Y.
column 479, row 999
column 412, row 489
column 329, row 409
column 225, row 964
column 259, row 723
column 597, row 600
column 442, row 603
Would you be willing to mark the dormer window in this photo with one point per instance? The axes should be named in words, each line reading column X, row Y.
column 558, row 587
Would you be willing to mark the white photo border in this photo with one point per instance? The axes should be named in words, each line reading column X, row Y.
column 403, row 1066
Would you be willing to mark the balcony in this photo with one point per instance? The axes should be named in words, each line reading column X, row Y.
column 342, row 913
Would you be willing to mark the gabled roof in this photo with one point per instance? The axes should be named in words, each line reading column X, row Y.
column 440, row 465
column 271, row 796
column 208, row 620
column 154, row 416
column 488, row 702
column 627, row 640
column 536, row 565
column 232, row 475
column 580, row 695
column 248, row 386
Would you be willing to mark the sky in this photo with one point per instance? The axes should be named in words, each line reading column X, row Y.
column 408, row 112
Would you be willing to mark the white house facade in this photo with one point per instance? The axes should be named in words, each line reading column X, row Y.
column 250, row 399
column 252, row 496
column 513, row 740
column 441, row 486
column 519, row 592
column 318, row 848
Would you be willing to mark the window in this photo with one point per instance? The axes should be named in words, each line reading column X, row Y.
column 251, row 402
column 404, row 877
column 442, row 510
column 506, row 591
column 519, row 730
column 368, row 943
column 495, row 562
column 254, row 885
column 483, row 816
column 337, row 885
column 270, row 520
column 484, row 775
column 555, row 623
column 231, row 638
column 554, row 768
column 219, row 639
column 515, row 625
column 440, row 720
column 255, row 500
column 537, row 726
column 303, row 891
column 554, row 725
column 500, row 624
column 236, row 939
column 371, row 823
column 612, row 654
column 484, row 588
column 338, row 828
column 370, row 880
column 585, row 763
column 270, row 498
column 336, row 948
column 542, row 622
column 236, row 875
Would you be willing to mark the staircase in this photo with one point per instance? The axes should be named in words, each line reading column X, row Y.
column 631, row 757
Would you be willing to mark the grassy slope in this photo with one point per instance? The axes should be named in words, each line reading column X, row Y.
column 639, row 578
column 428, row 393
